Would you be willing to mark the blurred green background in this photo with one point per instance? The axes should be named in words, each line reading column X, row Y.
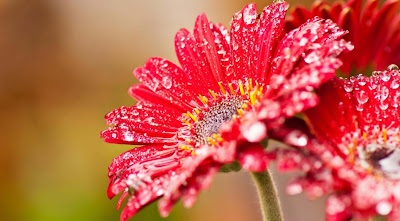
column 63, row 66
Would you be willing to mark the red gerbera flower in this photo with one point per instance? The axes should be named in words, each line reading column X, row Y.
column 356, row 153
column 374, row 31
column 212, row 111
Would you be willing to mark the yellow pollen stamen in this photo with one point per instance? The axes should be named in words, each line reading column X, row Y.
column 260, row 92
column 352, row 150
column 211, row 141
column 186, row 122
column 231, row 88
column 212, row 94
column 203, row 99
column 245, row 106
column 192, row 116
column 253, row 97
column 240, row 112
column 241, row 87
column 384, row 133
column 222, row 88
column 197, row 111
column 247, row 88
column 355, row 122
column 365, row 136
column 218, row 137
column 251, row 84
column 184, row 147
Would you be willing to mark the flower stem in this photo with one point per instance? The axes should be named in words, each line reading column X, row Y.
column 269, row 200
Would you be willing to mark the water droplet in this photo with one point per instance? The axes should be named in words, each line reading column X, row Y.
column 238, row 16
column 123, row 110
column 376, row 72
column 384, row 208
column 135, row 112
column 385, row 76
column 362, row 97
column 383, row 105
column 249, row 15
column 392, row 67
column 312, row 57
column 395, row 84
column 303, row 41
column 139, row 105
column 166, row 82
column 297, row 138
column 384, row 93
column 256, row 132
column 348, row 86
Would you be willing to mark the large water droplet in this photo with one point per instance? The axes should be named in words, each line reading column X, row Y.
column 348, row 86
column 362, row 97
column 385, row 76
column 392, row 67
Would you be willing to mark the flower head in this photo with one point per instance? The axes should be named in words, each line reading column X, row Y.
column 355, row 153
column 374, row 31
column 215, row 108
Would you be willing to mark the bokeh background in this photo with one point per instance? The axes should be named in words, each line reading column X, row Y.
column 63, row 65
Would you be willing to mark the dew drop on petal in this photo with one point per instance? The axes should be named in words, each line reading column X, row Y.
column 376, row 72
column 385, row 76
column 395, row 84
column 392, row 67
column 256, row 132
column 362, row 97
column 384, row 208
column 348, row 86
column 384, row 93
column 135, row 112
column 312, row 57
column 166, row 82
column 297, row 138
column 249, row 15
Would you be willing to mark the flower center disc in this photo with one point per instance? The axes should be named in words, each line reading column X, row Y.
column 215, row 116
column 385, row 159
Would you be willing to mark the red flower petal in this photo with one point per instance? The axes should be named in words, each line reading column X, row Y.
column 142, row 93
column 204, row 36
column 146, row 118
column 123, row 134
column 194, row 62
column 270, row 33
column 338, row 208
column 168, row 81
column 244, row 27
column 139, row 166
column 252, row 157
column 295, row 43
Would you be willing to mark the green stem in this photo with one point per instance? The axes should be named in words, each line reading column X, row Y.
column 269, row 200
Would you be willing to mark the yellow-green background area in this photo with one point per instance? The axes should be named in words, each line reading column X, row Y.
column 63, row 65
